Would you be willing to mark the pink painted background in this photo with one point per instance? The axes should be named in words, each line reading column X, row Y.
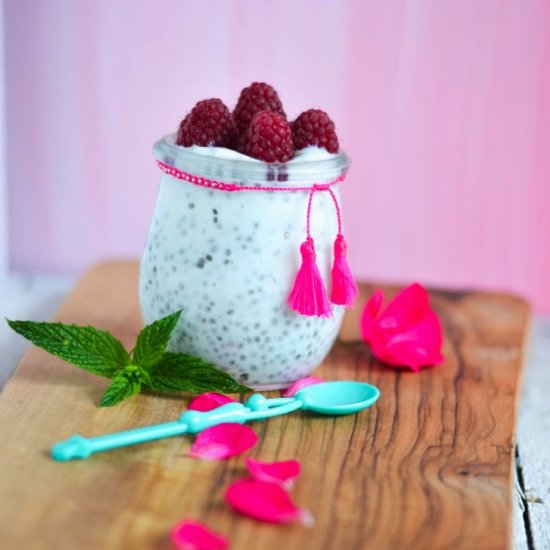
column 443, row 106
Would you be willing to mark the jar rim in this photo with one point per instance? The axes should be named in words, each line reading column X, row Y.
column 249, row 171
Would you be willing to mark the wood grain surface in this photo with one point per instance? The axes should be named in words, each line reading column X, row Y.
column 429, row 466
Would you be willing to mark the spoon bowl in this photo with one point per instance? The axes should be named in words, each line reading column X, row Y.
column 338, row 397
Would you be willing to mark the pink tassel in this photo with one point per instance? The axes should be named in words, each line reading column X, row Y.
column 308, row 295
column 344, row 290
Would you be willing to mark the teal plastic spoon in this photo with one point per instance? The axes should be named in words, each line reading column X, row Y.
column 329, row 398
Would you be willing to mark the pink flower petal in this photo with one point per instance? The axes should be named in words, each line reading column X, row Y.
column 417, row 347
column 407, row 308
column 407, row 333
column 208, row 401
column 192, row 535
column 295, row 387
column 223, row 441
column 264, row 501
column 370, row 313
column 283, row 472
column 410, row 354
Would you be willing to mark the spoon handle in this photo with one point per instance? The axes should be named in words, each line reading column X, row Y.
column 79, row 446
column 192, row 422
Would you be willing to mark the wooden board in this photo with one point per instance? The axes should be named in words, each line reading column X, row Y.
column 430, row 466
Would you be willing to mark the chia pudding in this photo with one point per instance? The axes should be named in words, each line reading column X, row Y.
column 228, row 260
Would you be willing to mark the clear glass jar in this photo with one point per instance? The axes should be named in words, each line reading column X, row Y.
column 228, row 260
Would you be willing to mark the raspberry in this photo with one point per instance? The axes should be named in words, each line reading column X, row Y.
column 209, row 123
column 257, row 97
column 268, row 138
column 314, row 127
column 183, row 124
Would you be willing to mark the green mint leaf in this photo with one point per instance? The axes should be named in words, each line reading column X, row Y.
column 123, row 385
column 138, row 374
column 93, row 350
column 153, row 339
column 180, row 372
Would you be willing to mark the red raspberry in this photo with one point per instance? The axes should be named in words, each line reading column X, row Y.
column 257, row 97
column 314, row 127
column 268, row 138
column 209, row 123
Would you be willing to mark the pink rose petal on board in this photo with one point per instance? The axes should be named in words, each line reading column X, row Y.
column 370, row 313
column 223, row 441
column 265, row 501
column 417, row 347
column 208, row 401
column 295, row 387
column 407, row 333
column 283, row 472
column 192, row 535
column 407, row 308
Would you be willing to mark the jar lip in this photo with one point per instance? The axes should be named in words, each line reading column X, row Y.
column 238, row 170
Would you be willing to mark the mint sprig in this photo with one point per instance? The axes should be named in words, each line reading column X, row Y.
column 149, row 365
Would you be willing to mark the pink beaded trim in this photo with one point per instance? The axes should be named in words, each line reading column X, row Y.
column 230, row 187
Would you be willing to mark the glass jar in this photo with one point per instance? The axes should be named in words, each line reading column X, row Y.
column 228, row 260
